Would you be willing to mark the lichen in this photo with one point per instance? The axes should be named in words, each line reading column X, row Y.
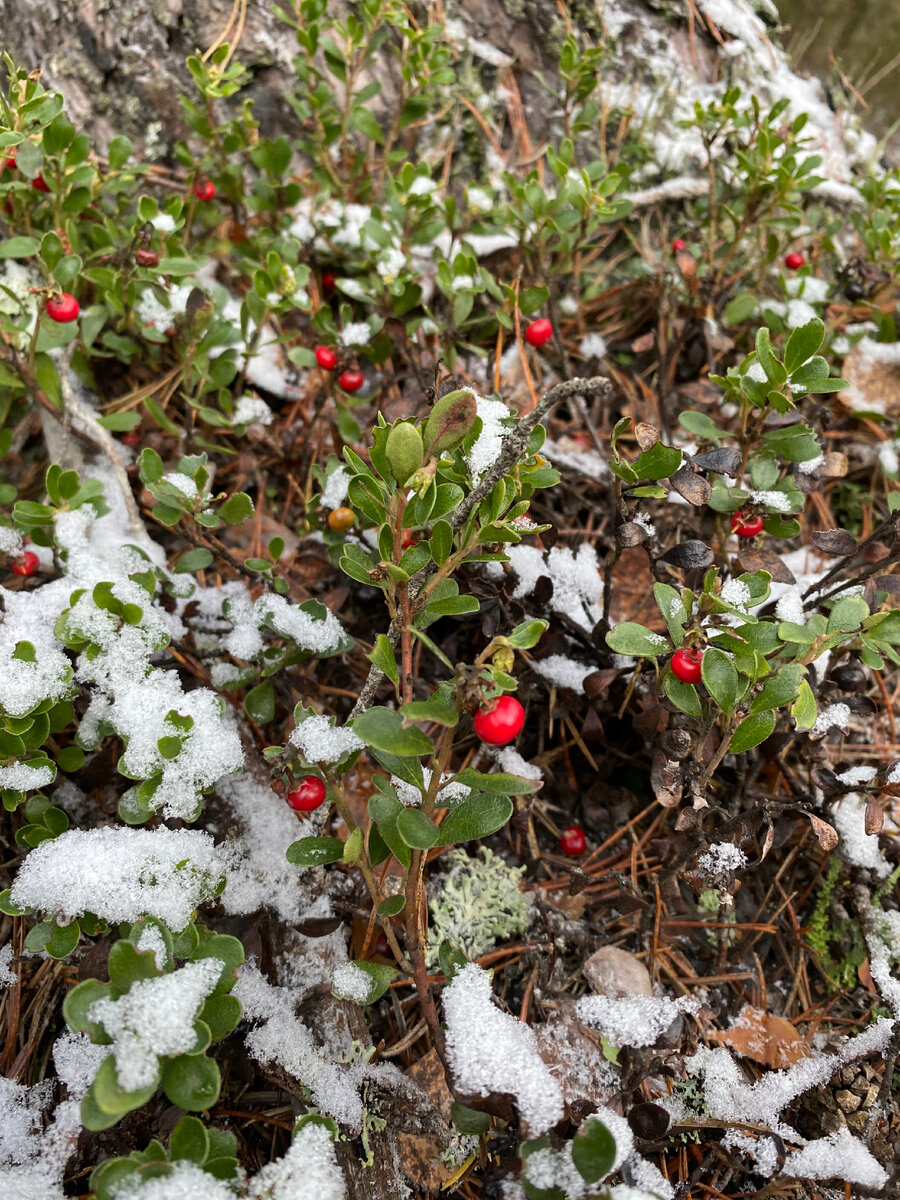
column 478, row 903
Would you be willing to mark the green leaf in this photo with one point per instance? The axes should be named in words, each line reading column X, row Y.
column 500, row 783
column 315, row 851
column 469, row 1120
column 236, row 509
column 789, row 631
column 106, row 1178
column 189, row 1141
column 383, row 729
column 670, row 603
column 658, row 462
column 417, row 829
column 19, row 247
column 383, row 657
column 775, row 371
column 449, row 422
column 392, row 906
column 191, row 1082
column 441, row 541
column 220, row 1013
column 740, row 309
column 751, row 731
column 194, row 560
column 111, row 1097
column 804, row 710
column 404, row 450
column 593, row 1150
column 119, row 152
column 77, row 1005
column 260, row 703
column 803, row 344
column 683, row 695
column 381, row 977
column 720, row 678
column 779, row 689
column 636, row 640
column 120, row 422
column 64, row 940
column 436, row 708
column 476, row 817
column 527, row 633
column 847, row 615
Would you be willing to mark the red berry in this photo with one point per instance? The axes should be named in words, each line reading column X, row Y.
column 679, row 244
column 408, row 539
column 329, row 280
column 351, row 381
column 327, row 359
column 27, row 564
column 573, row 842
column 146, row 258
column 685, row 664
column 307, row 795
column 9, row 159
column 204, row 189
column 746, row 525
column 539, row 332
column 63, row 308
column 500, row 724
column 794, row 261
column 132, row 439
column 40, row 183
column 382, row 946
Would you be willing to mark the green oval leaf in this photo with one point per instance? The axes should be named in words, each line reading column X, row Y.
column 315, row 851
column 753, row 730
column 417, row 829
column 477, row 817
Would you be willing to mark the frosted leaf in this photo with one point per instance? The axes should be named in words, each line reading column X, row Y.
column 351, row 982
column 858, row 847
column 491, row 1051
column 155, row 1017
column 838, row 1156
column 309, row 1168
column 335, row 491
column 25, row 778
column 186, row 1181
column 320, row 742
column 633, row 1020
column 736, row 593
column 120, row 874
column 489, row 442
column 834, row 716
column 357, row 333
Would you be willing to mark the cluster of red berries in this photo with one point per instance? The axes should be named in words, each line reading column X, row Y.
column 307, row 795
column 348, row 381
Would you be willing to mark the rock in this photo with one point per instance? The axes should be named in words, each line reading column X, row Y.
column 617, row 974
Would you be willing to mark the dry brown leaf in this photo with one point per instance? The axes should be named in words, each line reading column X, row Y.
column 420, row 1154
column 765, row 1038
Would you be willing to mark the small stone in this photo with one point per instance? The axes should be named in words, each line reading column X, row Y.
column 847, row 1102
column 617, row 974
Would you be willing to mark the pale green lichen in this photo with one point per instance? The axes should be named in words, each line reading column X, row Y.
column 478, row 904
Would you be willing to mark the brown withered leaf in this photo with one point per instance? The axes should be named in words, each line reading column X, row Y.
column 765, row 1038
column 724, row 461
column 834, row 541
column 693, row 487
column 666, row 780
column 630, row 534
column 874, row 815
column 835, row 465
column 826, row 835
column 646, row 342
column 689, row 555
column 646, row 435
column 420, row 1154
column 888, row 583
column 754, row 559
